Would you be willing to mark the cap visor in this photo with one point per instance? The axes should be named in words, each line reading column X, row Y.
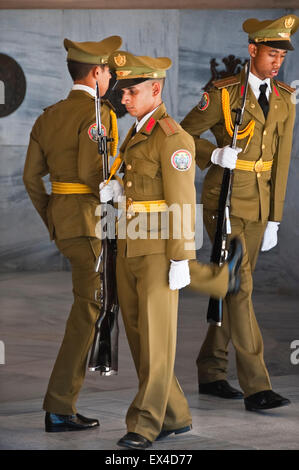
column 128, row 82
column 283, row 45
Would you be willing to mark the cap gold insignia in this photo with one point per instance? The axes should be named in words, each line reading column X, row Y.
column 289, row 22
column 120, row 60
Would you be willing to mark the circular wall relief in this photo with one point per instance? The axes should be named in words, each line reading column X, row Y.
column 12, row 85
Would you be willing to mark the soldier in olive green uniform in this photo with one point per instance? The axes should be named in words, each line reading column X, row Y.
column 158, row 156
column 63, row 144
column 261, row 164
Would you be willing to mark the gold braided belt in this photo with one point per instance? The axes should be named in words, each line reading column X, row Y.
column 70, row 188
column 145, row 206
column 258, row 166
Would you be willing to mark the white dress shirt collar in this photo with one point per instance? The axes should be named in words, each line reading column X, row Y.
column 255, row 83
column 142, row 121
column 86, row 88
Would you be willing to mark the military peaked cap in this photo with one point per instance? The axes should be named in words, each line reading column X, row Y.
column 272, row 33
column 92, row 52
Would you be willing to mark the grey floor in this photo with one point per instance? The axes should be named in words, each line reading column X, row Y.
column 34, row 309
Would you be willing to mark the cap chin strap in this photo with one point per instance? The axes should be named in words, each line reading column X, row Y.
column 277, row 44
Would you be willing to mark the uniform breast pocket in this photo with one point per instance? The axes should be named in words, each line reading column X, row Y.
column 146, row 178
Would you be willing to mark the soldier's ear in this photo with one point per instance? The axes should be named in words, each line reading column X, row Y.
column 156, row 88
column 252, row 49
column 97, row 71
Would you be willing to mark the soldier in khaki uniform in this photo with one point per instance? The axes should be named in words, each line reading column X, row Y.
column 158, row 156
column 261, row 164
column 63, row 144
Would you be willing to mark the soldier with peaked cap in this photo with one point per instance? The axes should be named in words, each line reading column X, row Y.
column 63, row 145
column 158, row 156
column 260, row 164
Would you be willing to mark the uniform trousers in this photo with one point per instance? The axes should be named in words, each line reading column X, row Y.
column 70, row 366
column 239, row 321
column 149, row 309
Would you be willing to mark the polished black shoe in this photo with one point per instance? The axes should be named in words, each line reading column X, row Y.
column 234, row 260
column 164, row 434
column 265, row 400
column 132, row 440
column 220, row 388
column 60, row 423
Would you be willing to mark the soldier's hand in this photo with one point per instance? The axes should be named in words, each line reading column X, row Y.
column 110, row 191
column 226, row 157
column 179, row 274
column 270, row 236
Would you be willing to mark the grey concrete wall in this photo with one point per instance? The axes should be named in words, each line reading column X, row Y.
column 35, row 40
column 190, row 37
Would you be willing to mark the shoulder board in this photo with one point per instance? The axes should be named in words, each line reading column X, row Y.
column 228, row 81
column 285, row 86
column 52, row 105
column 169, row 125
column 109, row 104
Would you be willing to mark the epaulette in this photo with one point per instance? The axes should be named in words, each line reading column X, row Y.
column 228, row 81
column 285, row 86
column 51, row 106
column 169, row 125
column 109, row 104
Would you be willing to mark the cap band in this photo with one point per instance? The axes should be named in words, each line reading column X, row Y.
column 80, row 56
column 262, row 39
column 139, row 73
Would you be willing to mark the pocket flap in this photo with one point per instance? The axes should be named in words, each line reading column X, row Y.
column 143, row 167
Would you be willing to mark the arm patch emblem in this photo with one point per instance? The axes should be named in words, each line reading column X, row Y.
column 92, row 131
column 204, row 101
column 181, row 160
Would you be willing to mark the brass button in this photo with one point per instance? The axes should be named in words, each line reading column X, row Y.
column 263, row 146
column 129, row 216
column 252, row 105
column 129, row 184
column 265, row 132
column 275, row 106
column 129, row 167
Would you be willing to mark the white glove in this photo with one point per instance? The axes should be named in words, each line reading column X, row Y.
column 225, row 157
column 270, row 236
column 179, row 274
column 112, row 190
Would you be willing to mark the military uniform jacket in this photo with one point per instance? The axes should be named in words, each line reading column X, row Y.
column 160, row 165
column 253, row 198
column 62, row 144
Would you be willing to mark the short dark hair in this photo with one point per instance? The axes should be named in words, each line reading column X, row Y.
column 78, row 70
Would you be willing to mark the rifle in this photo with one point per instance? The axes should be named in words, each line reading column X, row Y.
column 104, row 350
column 219, row 251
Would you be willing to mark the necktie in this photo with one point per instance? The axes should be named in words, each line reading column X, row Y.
column 263, row 102
column 134, row 131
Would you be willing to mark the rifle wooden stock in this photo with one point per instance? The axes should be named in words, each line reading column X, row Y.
column 104, row 350
column 219, row 250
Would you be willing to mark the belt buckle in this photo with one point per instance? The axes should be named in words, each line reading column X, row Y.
column 258, row 167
